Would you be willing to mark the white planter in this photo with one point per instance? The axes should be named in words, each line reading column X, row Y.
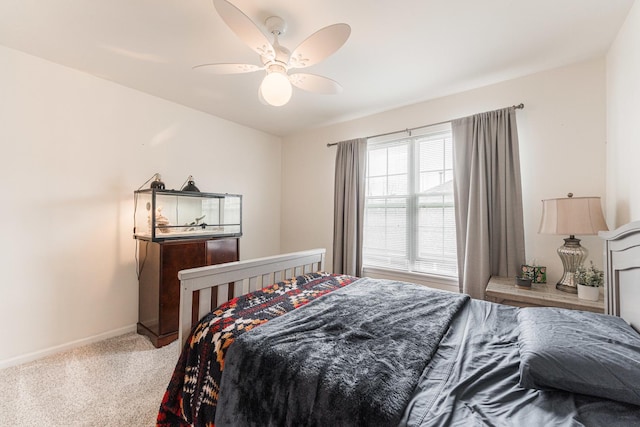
column 590, row 293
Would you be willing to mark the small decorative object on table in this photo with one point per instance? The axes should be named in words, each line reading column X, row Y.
column 538, row 273
column 526, row 277
column 589, row 279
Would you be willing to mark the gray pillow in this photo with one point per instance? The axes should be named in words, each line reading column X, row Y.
column 580, row 352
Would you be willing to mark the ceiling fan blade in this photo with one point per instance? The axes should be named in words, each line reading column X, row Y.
column 319, row 45
column 244, row 28
column 315, row 84
column 228, row 68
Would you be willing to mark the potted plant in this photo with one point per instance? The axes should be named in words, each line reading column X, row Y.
column 588, row 279
column 525, row 278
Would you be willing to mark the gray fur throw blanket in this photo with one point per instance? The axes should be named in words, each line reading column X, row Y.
column 350, row 358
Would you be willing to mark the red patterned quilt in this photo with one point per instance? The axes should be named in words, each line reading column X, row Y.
column 192, row 394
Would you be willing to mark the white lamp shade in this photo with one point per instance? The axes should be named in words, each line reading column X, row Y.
column 572, row 216
column 276, row 89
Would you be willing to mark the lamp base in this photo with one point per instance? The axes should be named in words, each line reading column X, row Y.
column 572, row 255
column 567, row 288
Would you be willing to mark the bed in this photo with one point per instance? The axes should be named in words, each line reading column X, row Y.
column 314, row 348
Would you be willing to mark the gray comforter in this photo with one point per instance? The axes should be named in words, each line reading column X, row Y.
column 472, row 381
column 334, row 361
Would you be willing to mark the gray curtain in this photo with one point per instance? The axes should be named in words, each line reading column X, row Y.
column 488, row 198
column 348, row 208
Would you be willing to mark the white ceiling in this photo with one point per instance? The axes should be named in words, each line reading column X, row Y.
column 399, row 53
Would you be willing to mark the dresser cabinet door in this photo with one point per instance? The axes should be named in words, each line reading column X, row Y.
column 176, row 257
column 159, row 287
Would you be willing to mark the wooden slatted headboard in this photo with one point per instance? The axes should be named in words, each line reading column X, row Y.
column 622, row 272
column 204, row 288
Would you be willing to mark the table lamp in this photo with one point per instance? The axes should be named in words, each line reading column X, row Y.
column 571, row 216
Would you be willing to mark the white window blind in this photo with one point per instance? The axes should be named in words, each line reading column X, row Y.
column 409, row 217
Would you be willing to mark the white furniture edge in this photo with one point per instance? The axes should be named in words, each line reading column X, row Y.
column 622, row 272
column 247, row 276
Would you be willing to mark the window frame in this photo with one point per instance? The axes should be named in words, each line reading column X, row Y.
column 412, row 205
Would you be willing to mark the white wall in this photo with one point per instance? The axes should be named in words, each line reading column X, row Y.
column 562, row 148
column 623, row 123
column 73, row 149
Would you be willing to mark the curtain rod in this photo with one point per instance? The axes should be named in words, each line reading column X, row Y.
column 408, row 130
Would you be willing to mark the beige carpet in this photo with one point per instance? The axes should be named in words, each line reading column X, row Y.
column 115, row 382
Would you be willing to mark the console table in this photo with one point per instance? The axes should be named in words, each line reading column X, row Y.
column 504, row 291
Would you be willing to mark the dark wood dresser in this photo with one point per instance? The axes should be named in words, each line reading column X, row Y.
column 159, row 287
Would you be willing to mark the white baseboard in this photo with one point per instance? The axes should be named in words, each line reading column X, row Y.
column 18, row 360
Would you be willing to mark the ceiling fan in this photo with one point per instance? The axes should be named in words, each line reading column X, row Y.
column 276, row 59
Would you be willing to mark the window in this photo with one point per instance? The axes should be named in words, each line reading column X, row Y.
column 409, row 217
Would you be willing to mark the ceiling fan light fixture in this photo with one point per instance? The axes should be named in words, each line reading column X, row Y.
column 276, row 88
